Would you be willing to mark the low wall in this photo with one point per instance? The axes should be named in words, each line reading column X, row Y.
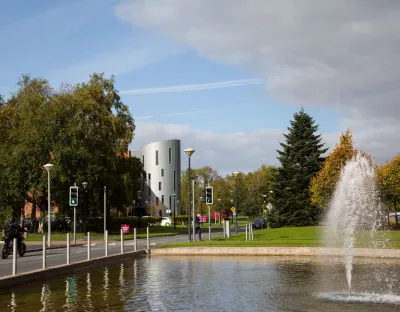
column 28, row 277
column 274, row 251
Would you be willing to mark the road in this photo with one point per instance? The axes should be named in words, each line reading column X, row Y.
column 33, row 260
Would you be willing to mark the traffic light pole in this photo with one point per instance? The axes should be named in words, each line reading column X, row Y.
column 74, row 226
column 209, row 222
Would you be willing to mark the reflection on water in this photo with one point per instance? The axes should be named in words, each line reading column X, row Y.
column 214, row 284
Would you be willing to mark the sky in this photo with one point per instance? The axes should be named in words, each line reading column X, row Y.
column 225, row 77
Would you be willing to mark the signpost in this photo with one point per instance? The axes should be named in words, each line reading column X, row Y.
column 233, row 209
column 126, row 228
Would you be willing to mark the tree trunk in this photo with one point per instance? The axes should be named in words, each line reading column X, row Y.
column 395, row 212
column 33, row 216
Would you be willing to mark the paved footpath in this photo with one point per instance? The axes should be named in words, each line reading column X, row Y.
column 57, row 254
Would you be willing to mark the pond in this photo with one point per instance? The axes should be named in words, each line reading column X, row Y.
column 215, row 284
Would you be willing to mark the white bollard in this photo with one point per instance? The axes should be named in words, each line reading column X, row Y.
column 88, row 246
column 106, row 243
column 44, row 252
column 68, row 251
column 246, row 232
column 122, row 241
column 148, row 238
column 14, row 265
column 134, row 240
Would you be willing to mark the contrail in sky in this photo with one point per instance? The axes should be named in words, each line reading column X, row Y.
column 195, row 87
column 178, row 114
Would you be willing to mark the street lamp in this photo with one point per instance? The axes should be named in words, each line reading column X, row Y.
column 85, row 184
column 189, row 152
column 48, row 167
column 174, row 196
column 237, row 203
column 220, row 211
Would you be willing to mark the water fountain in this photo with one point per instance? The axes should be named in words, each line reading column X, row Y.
column 354, row 210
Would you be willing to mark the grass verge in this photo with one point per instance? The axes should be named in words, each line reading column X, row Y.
column 296, row 237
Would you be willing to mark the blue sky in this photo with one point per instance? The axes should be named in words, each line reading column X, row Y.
column 66, row 40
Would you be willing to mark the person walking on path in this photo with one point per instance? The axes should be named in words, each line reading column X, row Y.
column 197, row 225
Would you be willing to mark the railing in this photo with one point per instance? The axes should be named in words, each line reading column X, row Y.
column 68, row 249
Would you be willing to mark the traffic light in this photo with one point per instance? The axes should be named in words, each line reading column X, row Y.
column 209, row 195
column 73, row 196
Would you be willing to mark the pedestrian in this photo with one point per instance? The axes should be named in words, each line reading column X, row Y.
column 197, row 225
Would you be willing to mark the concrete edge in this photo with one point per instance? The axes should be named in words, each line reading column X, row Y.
column 29, row 277
column 274, row 251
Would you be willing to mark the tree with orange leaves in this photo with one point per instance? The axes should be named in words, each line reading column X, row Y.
column 388, row 181
column 323, row 184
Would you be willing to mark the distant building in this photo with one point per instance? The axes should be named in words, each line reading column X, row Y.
column 162, row 164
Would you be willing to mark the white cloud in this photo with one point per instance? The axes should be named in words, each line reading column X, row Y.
column 178, row 114
column 342, row 55
column 195, row 87
column 224, row 152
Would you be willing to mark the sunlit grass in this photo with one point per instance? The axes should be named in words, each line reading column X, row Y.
column 296, row 236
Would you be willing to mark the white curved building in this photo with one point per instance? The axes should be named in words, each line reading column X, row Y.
column 162, row 164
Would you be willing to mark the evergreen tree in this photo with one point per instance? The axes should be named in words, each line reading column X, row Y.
column 300, row 158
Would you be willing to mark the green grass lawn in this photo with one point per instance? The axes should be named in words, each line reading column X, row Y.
column 294, row 236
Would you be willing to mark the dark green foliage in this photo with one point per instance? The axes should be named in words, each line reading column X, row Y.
column 300, row 158
column 84, row 130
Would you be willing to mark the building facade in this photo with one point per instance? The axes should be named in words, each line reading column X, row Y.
column 161, row 189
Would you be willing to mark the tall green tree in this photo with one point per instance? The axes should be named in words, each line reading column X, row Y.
column 84, row 130
column 300, row 158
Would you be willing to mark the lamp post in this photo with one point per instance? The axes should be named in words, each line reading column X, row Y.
column 177, row 203
column 237, row 202
column 48, row 167
column 85, row 184
column 220, row 211
column 189, row 152
column 174, row 196
column 201, row 207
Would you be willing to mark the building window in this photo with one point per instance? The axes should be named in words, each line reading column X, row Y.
column 143, row 160
column 162, row 172
column 149, row 191
column 156, row 157
column 174, row 180
column 159, row 186
column 156, row 201
column 170, row 155
column 162, row 199
column 149, row 176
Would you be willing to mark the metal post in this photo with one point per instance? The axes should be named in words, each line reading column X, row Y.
column 74, row 226
column 174, row 212
column 68, row 249
column 237, row 207
column 193, row 209
column 105, row 213
column 44, row 252
column 189, row 223
column 106, row 243
column 122, row 241
column 148, row 238
column 14, row 263
column 209, row 222
column 134, row 239
column 88, row 246
column 246, row 232
column 48, row 211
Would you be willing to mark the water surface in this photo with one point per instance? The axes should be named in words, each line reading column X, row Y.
column 215, row 284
